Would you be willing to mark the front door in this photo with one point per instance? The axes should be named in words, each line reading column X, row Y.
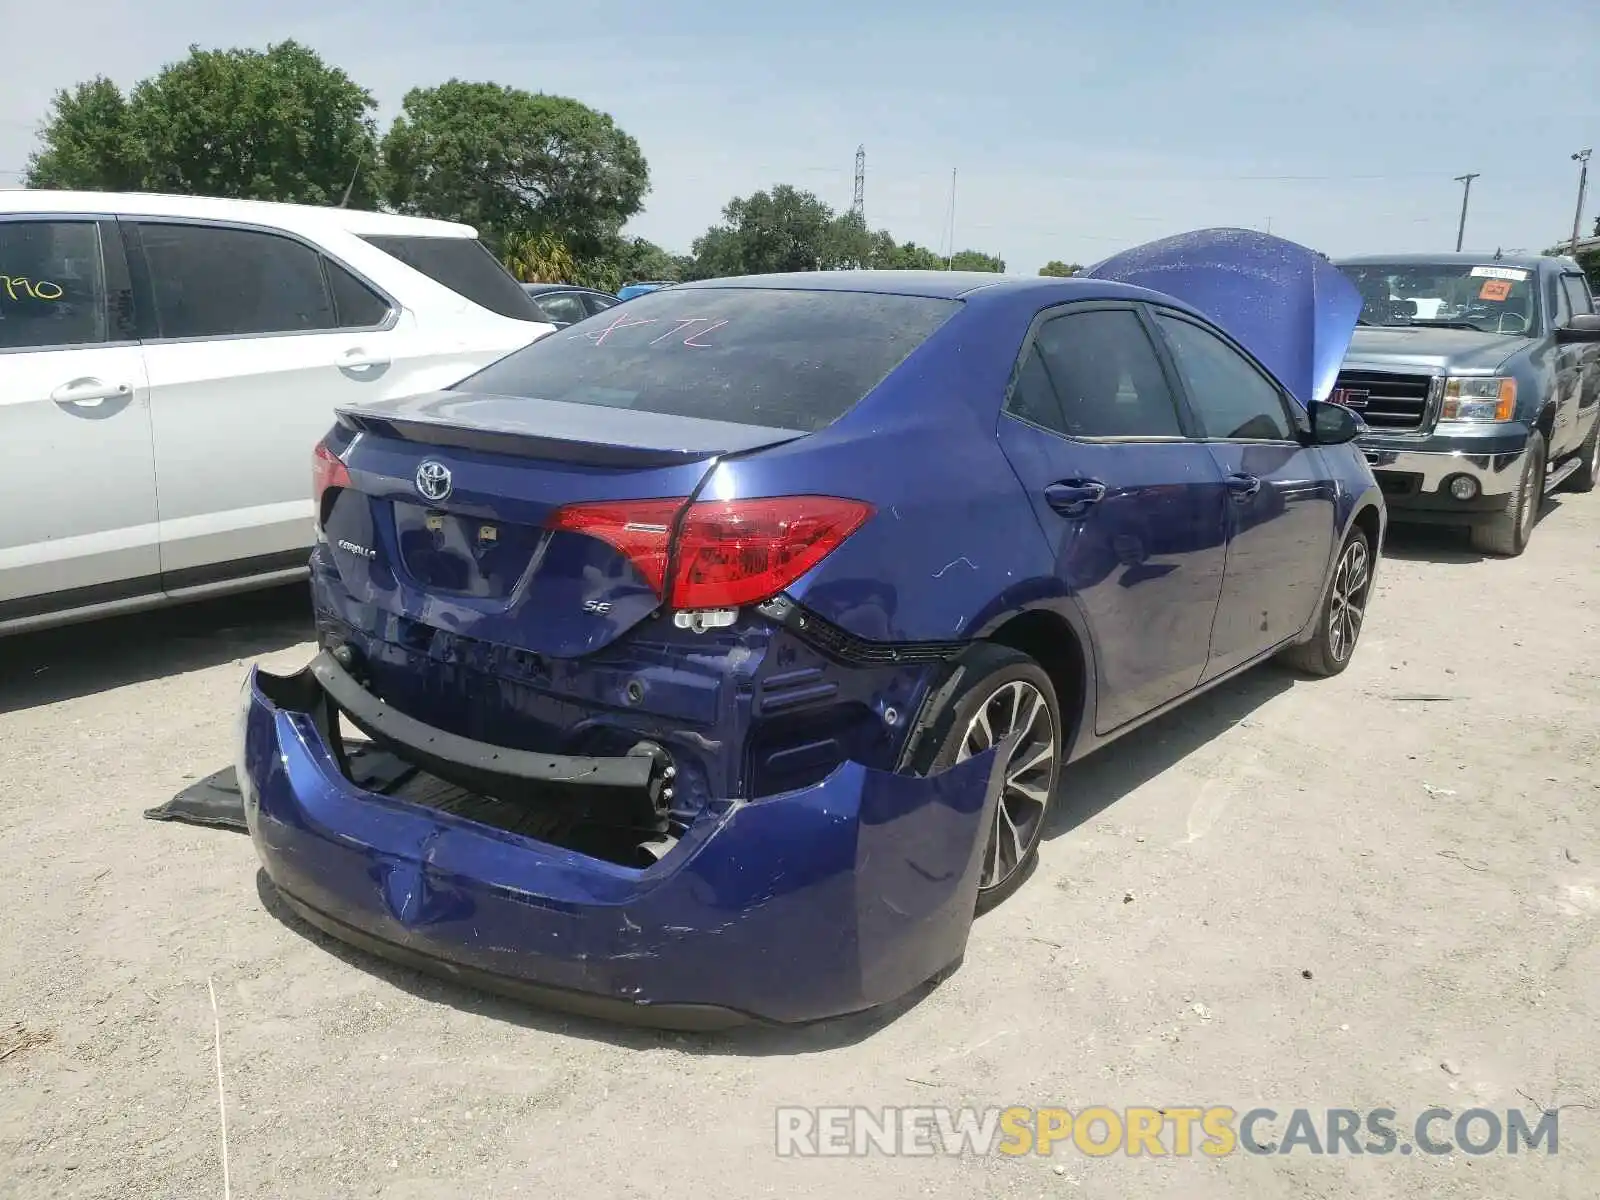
column 1577, row 368
column 79, row 521
column 1135, row 510
column 1282, row 502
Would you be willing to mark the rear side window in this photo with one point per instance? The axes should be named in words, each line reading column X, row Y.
column 755, row 356
column 213, row 281
column 467, row 268
column 52, row 284
column 356, row 306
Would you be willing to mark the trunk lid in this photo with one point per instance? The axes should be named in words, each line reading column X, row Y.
column 446, row 517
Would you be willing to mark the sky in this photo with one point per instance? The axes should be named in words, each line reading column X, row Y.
column 1072, row 129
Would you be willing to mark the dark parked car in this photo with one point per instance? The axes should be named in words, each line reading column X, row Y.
column 721, row 658
column 565, row 304
column 1478, row 377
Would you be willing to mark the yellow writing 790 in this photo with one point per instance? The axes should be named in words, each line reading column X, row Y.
column 41, row 289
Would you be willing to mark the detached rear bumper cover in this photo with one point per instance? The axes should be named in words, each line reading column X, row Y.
column 819, row 902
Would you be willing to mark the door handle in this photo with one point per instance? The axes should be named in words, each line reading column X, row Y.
column 1072, row 497
column 89, row 392
column 1243, row 486
column 358, row 359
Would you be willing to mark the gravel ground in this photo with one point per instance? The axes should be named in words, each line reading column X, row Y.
column 1288, row 894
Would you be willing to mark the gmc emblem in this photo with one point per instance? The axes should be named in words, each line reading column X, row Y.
column 1349, row 397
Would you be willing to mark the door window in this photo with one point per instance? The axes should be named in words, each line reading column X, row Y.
column 597, row 303
column 355, row 305
column 212, row 281
column 1095, row 375
column 52, row 284
column 1231, row 398
column 562, row 307
column 1577, row 289
column 1560, row 305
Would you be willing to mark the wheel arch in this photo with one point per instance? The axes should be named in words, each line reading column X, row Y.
column 1055, row 635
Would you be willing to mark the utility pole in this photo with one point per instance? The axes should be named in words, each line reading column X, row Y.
column 858, row 205
column 345, row 199
column 1461, row 229
column 1582, row 158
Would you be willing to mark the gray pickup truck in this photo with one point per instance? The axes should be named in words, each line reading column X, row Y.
column 1478, row 378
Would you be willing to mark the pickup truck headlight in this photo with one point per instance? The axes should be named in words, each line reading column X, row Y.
column 1478, row 398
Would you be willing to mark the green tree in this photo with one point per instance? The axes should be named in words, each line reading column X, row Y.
column 976, row 260
column 908, row 256
column 86, row 143
column 782, row 230
column 539, row 258
column 509, row 161
column 278, row 124
column 1060, row 270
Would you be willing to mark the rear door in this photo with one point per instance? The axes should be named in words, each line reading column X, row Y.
column 254, row 337
column 1281, row 497
column 79, row 525
column 1134, row 508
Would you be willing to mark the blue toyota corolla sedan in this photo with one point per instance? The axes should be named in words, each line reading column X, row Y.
column 718, row 657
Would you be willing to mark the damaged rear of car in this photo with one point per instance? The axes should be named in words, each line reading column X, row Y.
column 572, row 731
column 717, row 656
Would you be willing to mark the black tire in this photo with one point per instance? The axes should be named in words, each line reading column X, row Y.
column 1506, row 534
column 1587, row 475
column 986, row 679
column 1343, row 613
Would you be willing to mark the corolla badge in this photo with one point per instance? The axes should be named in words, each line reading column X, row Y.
column 433, row 480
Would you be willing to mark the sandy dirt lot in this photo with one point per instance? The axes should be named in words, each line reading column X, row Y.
column 1289, row 894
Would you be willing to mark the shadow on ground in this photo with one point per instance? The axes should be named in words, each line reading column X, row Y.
column 1094, row 784
column 80, row 660
column 1088, row 788
column 1443, row 543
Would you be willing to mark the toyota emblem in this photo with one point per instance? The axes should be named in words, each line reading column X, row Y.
column 433, row 480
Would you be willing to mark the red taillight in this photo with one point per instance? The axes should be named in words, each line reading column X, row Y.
column 736, row 552
column 728, row 553
column 326, row 472
column 640, row 529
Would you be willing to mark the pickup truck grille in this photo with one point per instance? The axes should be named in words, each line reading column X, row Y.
column 1386, row 400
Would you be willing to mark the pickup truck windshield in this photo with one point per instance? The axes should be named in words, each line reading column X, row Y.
column 1489, row 298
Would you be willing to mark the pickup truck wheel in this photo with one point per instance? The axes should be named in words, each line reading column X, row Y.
column 1001, row 692
column 1506, row 533
column 1344, row 612
column 1586, row 476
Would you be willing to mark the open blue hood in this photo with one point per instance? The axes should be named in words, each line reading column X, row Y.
column 1288, row 305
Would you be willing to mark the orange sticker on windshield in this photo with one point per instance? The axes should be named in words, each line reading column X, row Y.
column 1495, row 289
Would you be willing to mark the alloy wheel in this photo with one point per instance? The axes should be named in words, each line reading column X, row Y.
column 1015, row 708
column 1348, row 603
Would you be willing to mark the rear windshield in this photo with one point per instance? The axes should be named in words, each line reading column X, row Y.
column 755, row 356
column 467, row 268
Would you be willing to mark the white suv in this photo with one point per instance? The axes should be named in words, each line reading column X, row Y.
column 168, row 363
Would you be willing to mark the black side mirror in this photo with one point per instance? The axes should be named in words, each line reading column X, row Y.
column 1585, row 327
column 1333, row 424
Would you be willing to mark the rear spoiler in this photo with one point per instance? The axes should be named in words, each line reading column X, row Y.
column 553, row 430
